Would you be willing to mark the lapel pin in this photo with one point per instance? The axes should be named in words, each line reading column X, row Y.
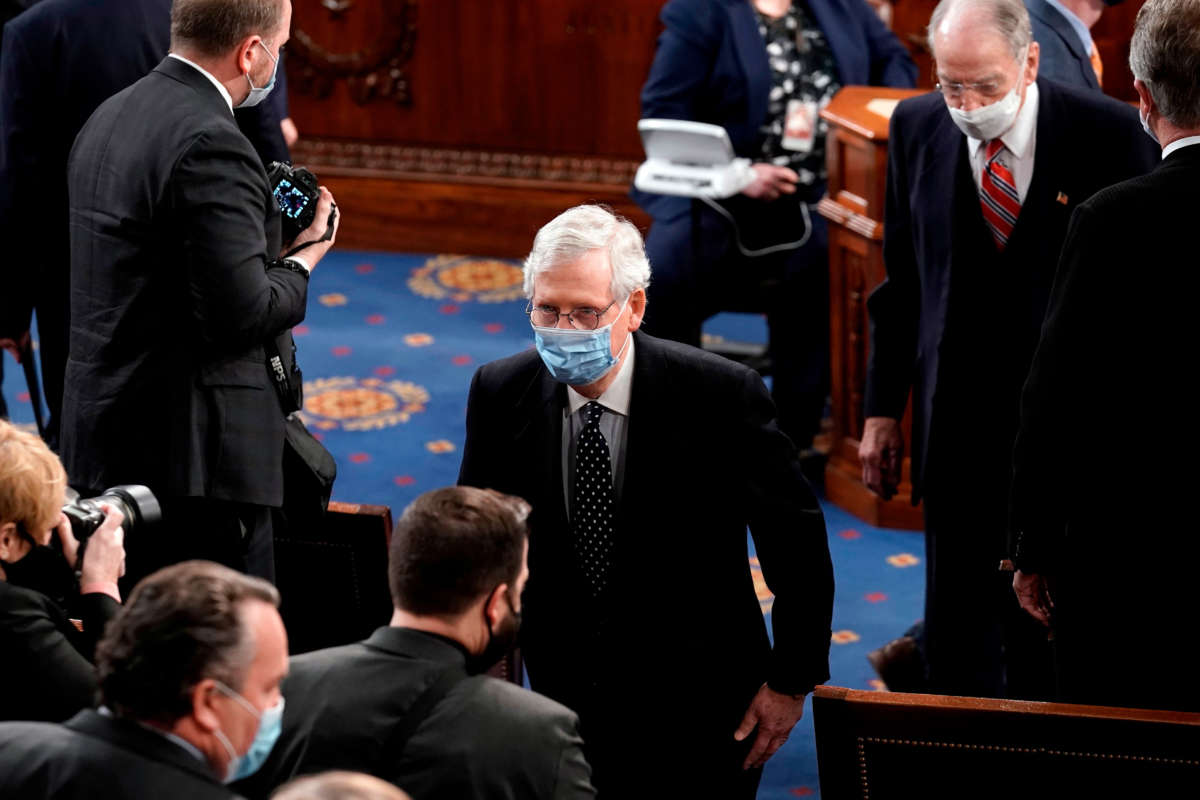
column 1062, row 198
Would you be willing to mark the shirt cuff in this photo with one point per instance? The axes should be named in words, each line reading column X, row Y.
column 101, row 587
column 301, row 262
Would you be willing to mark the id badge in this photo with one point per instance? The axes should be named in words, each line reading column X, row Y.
column 800, row 126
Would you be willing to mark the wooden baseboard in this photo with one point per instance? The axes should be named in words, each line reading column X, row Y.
column 844, row 488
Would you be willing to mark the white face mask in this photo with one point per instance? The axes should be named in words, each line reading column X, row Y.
column 1145, row 118
column 990, row 121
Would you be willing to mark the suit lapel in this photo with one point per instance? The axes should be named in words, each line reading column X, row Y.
column 539, row 436
column 1039, row 205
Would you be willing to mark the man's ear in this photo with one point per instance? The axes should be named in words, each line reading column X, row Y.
column 493, row 609
column 1031, row 62
column 1145, row 101
column 246, row 55
column 637, row 309
column 204, row 710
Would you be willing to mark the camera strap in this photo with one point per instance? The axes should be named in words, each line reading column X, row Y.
column 279, row 378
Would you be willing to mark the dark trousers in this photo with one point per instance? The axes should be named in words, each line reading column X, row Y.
column 236, row 535
column 698, row 271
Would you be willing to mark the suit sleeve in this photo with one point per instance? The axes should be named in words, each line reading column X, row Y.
column 682, row 62
column 236, row 301
column 891, row 64
column 792, row 546
column 96, row 610
column 45, row 656
column 1065, row 366
column 478, row 451
column 573, row 777
column 894, row 305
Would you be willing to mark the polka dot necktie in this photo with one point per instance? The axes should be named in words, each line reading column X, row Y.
column 592, row 501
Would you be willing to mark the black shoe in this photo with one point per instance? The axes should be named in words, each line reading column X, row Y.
column 899, row 665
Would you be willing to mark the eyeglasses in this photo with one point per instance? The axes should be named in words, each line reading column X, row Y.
column 584, row 319
column 954, row 90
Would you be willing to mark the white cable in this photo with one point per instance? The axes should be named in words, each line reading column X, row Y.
column 775, row 248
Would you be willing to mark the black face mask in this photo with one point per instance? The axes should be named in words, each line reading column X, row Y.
column 1111, row 3
column 499, row 642
column 43, row 569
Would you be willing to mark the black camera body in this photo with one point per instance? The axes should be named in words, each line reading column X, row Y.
column 296, row 192
column 137, row 503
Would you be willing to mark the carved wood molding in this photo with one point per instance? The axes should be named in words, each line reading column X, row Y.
column 377, row 70
column 440, row 164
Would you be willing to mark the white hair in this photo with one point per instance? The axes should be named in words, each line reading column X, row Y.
column 1009, row 19
column 582, row 229
column 1164, row 54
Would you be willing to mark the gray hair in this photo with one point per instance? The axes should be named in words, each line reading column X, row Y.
column 1009, row 19
column 578, row 231
column 1164, row 54
column 215, row 27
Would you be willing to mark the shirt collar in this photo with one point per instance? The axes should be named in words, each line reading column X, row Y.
column 1081, row 30
column 105, row 711
column 1019, row 136
column 220, row 87
column 1179, row 144
column 616, row 396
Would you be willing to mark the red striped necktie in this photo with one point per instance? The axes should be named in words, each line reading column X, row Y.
column 998, row 195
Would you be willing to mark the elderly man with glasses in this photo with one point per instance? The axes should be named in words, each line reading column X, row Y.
column 983, row 175
column 644, row 461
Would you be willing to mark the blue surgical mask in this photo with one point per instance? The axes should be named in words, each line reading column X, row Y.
column 257, row 94
column 577, row 357
column 270, row 725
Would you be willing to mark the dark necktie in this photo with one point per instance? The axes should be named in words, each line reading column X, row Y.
column 592, row 501
column 998, row 195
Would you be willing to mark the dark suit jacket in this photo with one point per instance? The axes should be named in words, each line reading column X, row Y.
column 47, row 662
column 711, row 66
column 172, row 228
column 59, row 61
column 97, row 756
column 933, row 227
column 485, row 739
column 682, row 631
column 1062, row 57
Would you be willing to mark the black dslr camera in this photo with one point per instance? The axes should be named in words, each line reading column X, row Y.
column 296, row 192
column 137, row 503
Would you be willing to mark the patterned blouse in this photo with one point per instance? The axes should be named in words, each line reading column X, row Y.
column 803, row 69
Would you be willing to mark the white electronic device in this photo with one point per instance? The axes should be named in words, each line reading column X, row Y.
column 690, row 159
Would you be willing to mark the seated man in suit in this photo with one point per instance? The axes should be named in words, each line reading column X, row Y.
column 644, row 461
column 189, row 686
column 181, row 290
column 982, row 178
column 1062, row 29
column 1113, row 347
column 409, row 704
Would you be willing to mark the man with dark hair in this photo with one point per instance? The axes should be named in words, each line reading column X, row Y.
column 1104, row 552
column 410, row 704
column 189, row 685
column 182, row 292
column 80, row 53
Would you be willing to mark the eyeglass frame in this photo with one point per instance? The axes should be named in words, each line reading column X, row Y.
column 530, row 308
column 954, row 90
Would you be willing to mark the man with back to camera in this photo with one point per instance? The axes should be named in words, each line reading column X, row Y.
column 410, row 704
column 59, row 61
column 1101, row 553
column 982, row 179
column 189, row 691
column 1062, row 29
column 179, row 293
column 644, row 461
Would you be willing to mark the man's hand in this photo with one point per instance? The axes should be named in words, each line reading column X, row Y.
column 771, row 181
column 104, row 558
column 1034, row 596
column 881, row 451
column 290, row 134
column 313, row 253
column 774, row 715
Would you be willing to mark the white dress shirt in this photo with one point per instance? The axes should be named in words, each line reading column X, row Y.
column 220, row 86
column 1020, row 141
column 613, row 424
column 1179, row 144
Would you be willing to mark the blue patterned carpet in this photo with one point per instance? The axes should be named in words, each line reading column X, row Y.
column 388, row 350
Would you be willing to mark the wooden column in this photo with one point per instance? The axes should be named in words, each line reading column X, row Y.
column 857, row 157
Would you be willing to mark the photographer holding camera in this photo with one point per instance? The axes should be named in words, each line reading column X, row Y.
column 184, row 290
column 45, row 661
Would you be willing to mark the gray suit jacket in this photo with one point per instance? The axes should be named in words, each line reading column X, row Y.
column 486, row 739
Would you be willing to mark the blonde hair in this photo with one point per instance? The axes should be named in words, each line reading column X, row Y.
column 33, row 482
